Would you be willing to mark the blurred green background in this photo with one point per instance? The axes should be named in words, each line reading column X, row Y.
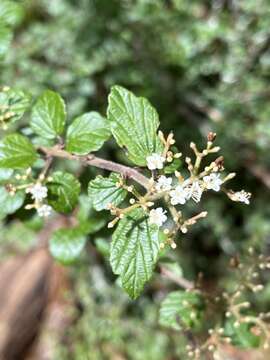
column 205, row 66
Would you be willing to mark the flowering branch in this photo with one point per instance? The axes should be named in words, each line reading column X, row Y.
column 95, row 161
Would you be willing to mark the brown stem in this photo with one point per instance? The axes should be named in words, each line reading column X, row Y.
column 93, row 160
column 184, row 283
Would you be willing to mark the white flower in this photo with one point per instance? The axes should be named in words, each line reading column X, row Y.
column 179, row 195
column 164, row 183
column 38, row 192
column 157, row 216
column 194, row 191
column 240, row 196
column 155, row 161
column 44, row 210
column 212, row 182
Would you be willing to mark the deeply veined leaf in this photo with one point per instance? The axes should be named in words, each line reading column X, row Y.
column 9, row 203
column 87, row 133
column 17, row 152
column 134, row 251
column 104, row 191
column 14, row 102
column 181, row 309
column 64, row 190
column 66, row 245
column 134, row 123
column 49, row 115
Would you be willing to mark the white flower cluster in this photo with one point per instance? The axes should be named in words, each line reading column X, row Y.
column 157, row 216
column 240, row 196
column 155, row 161
column 39, row 192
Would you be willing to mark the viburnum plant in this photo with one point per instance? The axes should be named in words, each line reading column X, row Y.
column 146, row 199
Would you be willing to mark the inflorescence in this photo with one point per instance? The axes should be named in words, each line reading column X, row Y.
column 179, row 189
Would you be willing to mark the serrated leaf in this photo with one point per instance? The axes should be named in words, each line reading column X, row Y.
column 103, row 191
column 242, row 335
column 9, row 203
column 134, row 123
column 49, row 115
column 15, row 102
column 181, row 309
column 17, row 152
column 66, row 245
column 63, row 191
column 87, row 133
column 134, row 251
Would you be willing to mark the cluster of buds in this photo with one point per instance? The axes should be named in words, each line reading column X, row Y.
column 36, row 188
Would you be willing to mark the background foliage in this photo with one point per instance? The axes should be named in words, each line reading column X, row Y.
column 204, row 65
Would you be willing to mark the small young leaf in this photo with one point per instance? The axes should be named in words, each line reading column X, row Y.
column 49, row 115
column 66, row 245
column 134, row 124
column 181, row 309
column 134, row 251
column 14, row 102
column 87, row 133
column 103, row 191
column 17, row 152
column 64, row 190
column 9, row 204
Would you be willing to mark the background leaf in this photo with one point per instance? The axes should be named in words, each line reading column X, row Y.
column 103, row 191
column 134, row 251
column 9, row 204
column 17, row 152
column 134, row 124
column 15, row 101
column 242, row 335
column 64, row 190
column 49, row 115
column 87, row 133
column 181, row 309
column 66, row 245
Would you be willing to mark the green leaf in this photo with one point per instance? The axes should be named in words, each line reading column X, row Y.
column 49, row 115
column 17, row 152
column 63, row 191
column 5, row 39
column 134, row 251
column 103, row 247
column 66, row 245
column 87, row 133
column 134, row 124
column 5, row 175
column 241, row 336
column 14, row 101
column 11, row 12
column 103, row 191
column 9, row 203
column 181, row 309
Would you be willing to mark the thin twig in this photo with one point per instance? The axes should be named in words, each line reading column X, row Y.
column 184, row 283
column 93, row 160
